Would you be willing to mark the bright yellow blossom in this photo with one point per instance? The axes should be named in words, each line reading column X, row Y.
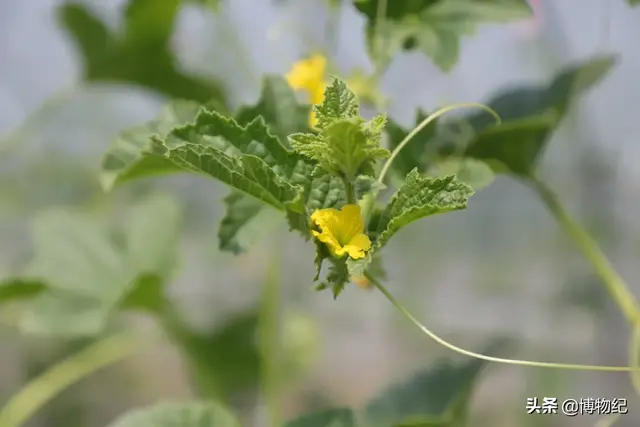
column 342, row 231
column 309, row 75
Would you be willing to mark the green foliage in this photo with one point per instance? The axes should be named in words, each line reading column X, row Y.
column 530, row 114
column 633, row 2
column 339, row 104
column 338, row 417
column 347, row 145
column 233, row 346
column 417, row 198
column 87, row 276
column 127, row 149
column 246, row 158
column 437, row 396
column 246, row 219
column 433, row 26
column 475, row 173
column 413, row 155
column 194, row 414
column 279, row 108
column 141, row 55
column 15, row 289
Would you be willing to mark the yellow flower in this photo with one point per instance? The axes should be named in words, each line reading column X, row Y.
column 309, row 75
column 342, row 231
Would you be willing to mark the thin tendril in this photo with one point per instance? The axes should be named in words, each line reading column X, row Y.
column 452, row 347
column 424, row 123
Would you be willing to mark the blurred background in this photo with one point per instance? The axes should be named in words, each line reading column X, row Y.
column 500, row 268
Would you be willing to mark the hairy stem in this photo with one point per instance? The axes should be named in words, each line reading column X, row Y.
column 616, row 286
column 452, row 347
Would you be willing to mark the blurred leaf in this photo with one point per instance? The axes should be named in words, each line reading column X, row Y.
column 413, row 154
column 434, row 26
column 152, row 233
column 141, row 56
column 515, row 146
column 13, row 289
column 417, row 198
column 633, row 2
column 150, row 21
column 194, row 414
column 475, row 173
column 127, row 148
column 88, row 276
column 337, row 417
column 438, row 396
column 247, row 219
column 279, row 108
column 529, row 116
column 50, row 383
column 227, row 359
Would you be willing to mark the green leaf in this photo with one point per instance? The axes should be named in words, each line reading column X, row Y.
column 232, row 345
column 150, row 21
column 339, row 103
column 337, row 417
column 18, row 288
column 475, row 173
column 141, row 56
column 413, row 155
column 127, row 149
column 248, row 158
column 195, row 414
column 529, row 116
column 417, row 198
column 633, row 2
column 515, row 146
column 344, row 148
column 245, row 220
column 433, row 26
column 437, row 396
column 88, row 277
column 279, row 108
column 338, row 277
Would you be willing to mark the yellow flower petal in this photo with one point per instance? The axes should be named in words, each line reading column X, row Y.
column 309, row 75
column 342, row 231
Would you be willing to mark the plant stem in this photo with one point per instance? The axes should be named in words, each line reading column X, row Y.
column 46, row 386
column 616, row 286
column 271, row 343
column 457, row 349
column 349, row 192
